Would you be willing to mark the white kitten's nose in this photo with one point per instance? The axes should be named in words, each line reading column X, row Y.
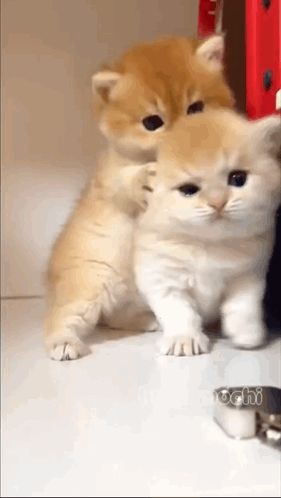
column 217, row 204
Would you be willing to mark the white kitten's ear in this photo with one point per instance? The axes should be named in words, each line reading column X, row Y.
column 267, row 134
column 104, row 81
column 211, row 51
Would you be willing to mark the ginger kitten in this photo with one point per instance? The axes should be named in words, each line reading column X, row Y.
column 204, row 243
column 139, row 98
column 153, row 84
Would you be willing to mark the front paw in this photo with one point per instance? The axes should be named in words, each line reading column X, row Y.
column 250, row 337
column 145, row 185
column 60, row 350
column 246, row 333
column 184, row 345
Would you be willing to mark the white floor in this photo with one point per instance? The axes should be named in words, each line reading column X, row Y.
column 123, row 421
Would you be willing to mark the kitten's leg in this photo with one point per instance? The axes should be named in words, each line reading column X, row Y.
column 61, row 331
column 78, row 297
column 242, row 312
column 181, row 323
column 75, row 305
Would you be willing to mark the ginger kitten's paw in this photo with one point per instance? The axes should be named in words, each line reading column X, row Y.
column 185, row 346
column 152, row 326
column 144, row 185
column 67, row 351
column 147, row 323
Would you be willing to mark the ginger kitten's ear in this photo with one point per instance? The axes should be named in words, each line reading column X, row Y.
column 211, row 51
column 104, row 81
column 266, row 134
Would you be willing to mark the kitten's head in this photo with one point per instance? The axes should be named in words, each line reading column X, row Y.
column 218, row 175
column 152, row 85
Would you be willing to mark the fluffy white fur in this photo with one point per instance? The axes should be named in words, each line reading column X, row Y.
column 206, row 255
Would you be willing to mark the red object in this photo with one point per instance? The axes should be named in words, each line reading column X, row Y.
column 263, row 54
column 206, row 17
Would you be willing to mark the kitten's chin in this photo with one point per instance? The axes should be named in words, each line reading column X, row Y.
column 223, row 228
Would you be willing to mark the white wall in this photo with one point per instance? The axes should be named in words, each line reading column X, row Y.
column 50, row 48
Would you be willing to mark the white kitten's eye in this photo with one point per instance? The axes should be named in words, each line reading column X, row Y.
column 188, row 189
column 237, row 178
column 197, row 106
column 152, row 123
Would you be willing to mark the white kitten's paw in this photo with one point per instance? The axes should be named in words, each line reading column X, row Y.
column 67, row 351
column 251, row 338
column 184, row 346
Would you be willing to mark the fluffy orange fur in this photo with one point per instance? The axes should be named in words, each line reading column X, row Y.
column 162, row 77
column 168, row 69
column 89, row 275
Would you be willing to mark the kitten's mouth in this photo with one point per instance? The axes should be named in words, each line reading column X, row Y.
column 218, row 215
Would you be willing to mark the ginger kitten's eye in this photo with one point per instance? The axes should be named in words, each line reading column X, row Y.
column 152, row 123
column 188, row 189
column 237, row 178
column 197, row 106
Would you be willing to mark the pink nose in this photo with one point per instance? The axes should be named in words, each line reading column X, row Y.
column 217, row 204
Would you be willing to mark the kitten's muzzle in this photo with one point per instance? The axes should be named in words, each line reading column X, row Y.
column 217, row 204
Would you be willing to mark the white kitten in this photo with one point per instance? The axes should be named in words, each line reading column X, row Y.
column 204, row 243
